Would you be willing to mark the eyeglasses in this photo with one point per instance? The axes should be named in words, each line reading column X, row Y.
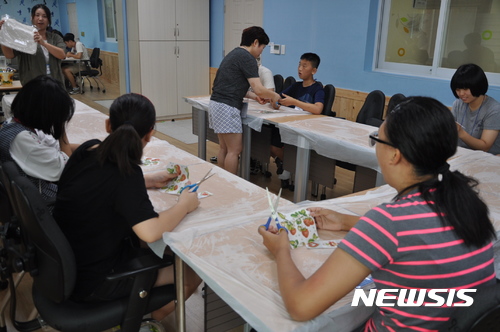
column 373, row 138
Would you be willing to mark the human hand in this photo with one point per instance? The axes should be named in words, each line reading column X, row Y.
column 287, row 100
column 1, row 23
column 160, row 179
column 327, row 219
column 38, row 38
column 261, row 101
column 275, row 101
column 274, row 240
column 460, row 129
column 189, row 199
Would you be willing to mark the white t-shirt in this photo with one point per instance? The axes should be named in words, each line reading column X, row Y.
column 266, row 77
column 80, row 48
column 38, row 155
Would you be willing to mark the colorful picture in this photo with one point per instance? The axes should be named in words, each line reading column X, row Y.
column 148, row 161
column 301, row 227
column 175, row 186
column 323, row 244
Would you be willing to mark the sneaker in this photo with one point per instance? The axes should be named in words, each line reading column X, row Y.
column 75, row 91
column 285, row 175
column 213, row 160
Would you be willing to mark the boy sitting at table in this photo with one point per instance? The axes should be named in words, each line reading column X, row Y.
column 307, row 95
column 78, row 51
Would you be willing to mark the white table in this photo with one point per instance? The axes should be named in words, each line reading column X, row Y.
column 257, row 114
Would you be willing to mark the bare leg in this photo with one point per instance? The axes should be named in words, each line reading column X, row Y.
column 233, row 143
column 221, row 155
column 166, row 277
column 69, row 75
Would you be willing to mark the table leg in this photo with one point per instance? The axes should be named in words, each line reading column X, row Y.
column 80, row 76
column 180, row 307
column 202, row 133
column 301, row 169
column 245, row 154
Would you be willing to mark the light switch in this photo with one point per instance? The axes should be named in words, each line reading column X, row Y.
column 82, row 34
column 282, row 49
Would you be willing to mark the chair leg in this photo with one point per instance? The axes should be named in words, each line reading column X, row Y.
column 90, row 83
column 99, row 83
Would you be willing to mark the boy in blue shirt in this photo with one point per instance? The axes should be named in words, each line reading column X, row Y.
column 307, row 95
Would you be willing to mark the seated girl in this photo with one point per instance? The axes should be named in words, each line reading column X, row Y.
column 103, row 201
column 35, row 138
column 435, row 234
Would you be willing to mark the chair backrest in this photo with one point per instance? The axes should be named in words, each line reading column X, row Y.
column 278, row 83
column 395, row 99
column 54, row 272
column 9, row 171
column 373, row 107
column 329, row 98
column 95, row 61
column 288, row 81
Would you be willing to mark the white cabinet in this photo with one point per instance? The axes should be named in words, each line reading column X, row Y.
column 169, row 52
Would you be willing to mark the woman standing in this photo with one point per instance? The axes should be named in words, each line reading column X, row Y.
column 477, row 114
column 237, row 72
column 436, row 234
column 50, row 49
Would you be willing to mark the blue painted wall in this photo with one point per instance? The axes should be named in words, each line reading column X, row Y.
column 89, row 21
column 20, row 10
column 342, row 33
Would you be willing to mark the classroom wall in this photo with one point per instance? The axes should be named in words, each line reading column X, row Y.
column 89, row 22
column 343, row 34
column 20, row 10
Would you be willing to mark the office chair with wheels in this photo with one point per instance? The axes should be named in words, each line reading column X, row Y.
column 54, row 275
column 278, row 83
column 93, row 70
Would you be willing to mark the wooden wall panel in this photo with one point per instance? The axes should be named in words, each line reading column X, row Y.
column 110, row 70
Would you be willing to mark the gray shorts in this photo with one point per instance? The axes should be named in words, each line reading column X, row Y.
column 224, row 119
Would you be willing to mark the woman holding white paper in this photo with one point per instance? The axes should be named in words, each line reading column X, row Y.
column 50, row 49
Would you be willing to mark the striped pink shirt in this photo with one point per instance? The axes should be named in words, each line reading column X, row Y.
column 407, row 246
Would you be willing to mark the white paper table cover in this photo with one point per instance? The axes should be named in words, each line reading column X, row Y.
column 334, row 138
column 257, row 114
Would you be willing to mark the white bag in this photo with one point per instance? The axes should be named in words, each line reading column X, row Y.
column 17, row 36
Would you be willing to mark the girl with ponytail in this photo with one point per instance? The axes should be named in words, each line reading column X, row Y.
column 436, row 234
column 102, row 202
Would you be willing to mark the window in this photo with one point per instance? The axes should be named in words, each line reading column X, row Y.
column 109, row 20
column 434, row 37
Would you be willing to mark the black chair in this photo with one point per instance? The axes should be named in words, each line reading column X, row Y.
column 288, row 81
column 93, row 70
column 394, row 101
column 53, row 269
column 278, row 83
column 329, row 98
column 370, row 113
column 373, row 107
column 482, row 315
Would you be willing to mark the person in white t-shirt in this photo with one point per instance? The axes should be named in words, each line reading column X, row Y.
column 266, row 78
column 78, row 51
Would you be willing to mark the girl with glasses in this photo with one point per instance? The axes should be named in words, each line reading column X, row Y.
column 435, row 234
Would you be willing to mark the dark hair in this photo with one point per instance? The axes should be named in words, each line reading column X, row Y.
column 250, row 34
column 469, row 76
column 45, row 9
column 313, row 58
column 424, row 130
column 69, row 37
column 44, row 104
column 131, row 117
